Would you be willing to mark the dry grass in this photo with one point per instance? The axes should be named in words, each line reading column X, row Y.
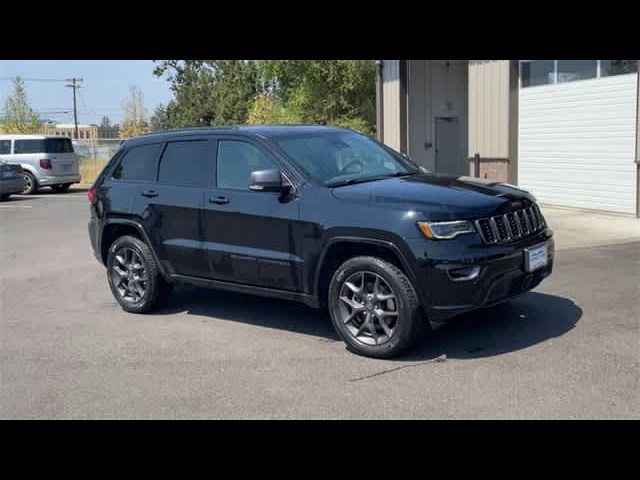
column 90, row 169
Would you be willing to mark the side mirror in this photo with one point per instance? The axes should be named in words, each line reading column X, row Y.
column 267, row 181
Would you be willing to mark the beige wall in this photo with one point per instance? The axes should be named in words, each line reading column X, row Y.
column 489, row 103
column 391, row 102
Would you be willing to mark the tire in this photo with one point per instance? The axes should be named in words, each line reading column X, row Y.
column 409, row 325
column 4, row 196
column 156, row 289
column 31, row 185
column 60, row 188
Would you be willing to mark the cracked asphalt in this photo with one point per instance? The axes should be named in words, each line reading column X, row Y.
column 569, row 349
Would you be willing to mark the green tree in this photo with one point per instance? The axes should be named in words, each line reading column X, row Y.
column 207, row 92
column 19, row 116
column 160, row 119
column 135, row 116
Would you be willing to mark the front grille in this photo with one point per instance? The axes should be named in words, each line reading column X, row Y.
column 511, row 226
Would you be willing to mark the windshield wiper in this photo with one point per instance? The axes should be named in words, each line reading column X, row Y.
column 373, row 178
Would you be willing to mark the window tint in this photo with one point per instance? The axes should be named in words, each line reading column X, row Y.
column 58, row 145
column 538, row 72
column 138, row 164
column 236, row 161
column 28, row 146
column 571, row 70
column 5, row 146
column 617, row 67
column 186, row 164
column 47, row 145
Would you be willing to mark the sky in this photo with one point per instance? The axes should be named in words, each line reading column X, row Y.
column 106, row 84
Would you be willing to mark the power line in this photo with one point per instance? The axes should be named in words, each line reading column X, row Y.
column 35, row 79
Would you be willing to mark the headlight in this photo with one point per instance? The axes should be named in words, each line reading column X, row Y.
column 445, row 230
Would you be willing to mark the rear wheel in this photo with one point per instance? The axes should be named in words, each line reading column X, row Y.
column 61, row 188
column 30, row 184
column 374, row 307
column 134, row 276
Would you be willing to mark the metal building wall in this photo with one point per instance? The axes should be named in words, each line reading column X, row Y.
column 493, row 118
column 391, row 103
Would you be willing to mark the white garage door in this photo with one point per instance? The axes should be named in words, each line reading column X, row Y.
column 577, row 143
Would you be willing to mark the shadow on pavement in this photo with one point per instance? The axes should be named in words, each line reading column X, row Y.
column 526, row 321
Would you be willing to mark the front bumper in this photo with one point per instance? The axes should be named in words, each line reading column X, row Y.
column 12, row 185
column 59, row 179
column 500, row 270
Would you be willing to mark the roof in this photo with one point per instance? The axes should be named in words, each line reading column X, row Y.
column 259, row 130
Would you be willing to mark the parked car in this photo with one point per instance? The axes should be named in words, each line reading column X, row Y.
column 324, row 216
column 11, row 180
column 46, row 161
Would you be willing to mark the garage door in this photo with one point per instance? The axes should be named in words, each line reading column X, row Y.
column 577, row 143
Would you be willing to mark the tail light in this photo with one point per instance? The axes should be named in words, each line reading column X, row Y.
column 92, row 194
column 45, row 163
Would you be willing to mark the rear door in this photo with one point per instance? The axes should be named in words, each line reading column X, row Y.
column 171, row 208
column 250, row 236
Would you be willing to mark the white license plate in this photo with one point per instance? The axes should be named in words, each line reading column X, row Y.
column 535, row 257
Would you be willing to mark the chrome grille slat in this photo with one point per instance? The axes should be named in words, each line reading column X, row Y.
column 511, row 226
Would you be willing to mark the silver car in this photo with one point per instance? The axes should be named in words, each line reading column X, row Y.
column 46, row 161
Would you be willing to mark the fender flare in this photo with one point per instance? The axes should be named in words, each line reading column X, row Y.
column 357, row 239
column 138, row 226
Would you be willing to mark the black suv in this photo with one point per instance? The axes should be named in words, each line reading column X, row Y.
column 321, row 215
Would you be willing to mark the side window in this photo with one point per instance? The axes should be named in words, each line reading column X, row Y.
column 28, row 146
column 236, row 161
column 186, row 164
column 138, row 164
column 5, row 147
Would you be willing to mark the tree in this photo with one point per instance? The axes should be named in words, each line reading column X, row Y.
column 160, row 119
column 105, row 122
column 207, row 92
column 135, row 116
column 19, row 116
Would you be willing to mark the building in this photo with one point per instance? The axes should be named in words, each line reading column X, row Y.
column 567, row 130
column 85, row 132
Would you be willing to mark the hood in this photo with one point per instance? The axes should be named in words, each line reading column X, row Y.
column 438, row 197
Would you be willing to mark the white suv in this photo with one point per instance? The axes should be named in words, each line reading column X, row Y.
column 46, row 161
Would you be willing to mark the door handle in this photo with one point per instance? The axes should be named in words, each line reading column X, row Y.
column 150, row 193
column 218, row 200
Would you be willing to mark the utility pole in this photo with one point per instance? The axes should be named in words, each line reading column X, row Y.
column 75, row 84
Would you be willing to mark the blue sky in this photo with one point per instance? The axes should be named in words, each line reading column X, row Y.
column 106, row 84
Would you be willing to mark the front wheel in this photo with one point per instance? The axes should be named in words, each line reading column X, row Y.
column 30, row 184
column 134, row 276
column 374, row 307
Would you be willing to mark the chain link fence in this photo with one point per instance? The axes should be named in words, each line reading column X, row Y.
column 94, row 155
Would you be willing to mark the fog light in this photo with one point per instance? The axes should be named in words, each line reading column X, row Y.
column 463, row 274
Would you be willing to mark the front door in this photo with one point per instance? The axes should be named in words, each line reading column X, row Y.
column 449, row 160
column 249, row 235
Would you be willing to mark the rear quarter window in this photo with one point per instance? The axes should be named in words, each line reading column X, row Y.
column 138, row 164
column 28, row 146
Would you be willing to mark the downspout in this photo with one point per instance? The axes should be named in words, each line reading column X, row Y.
column 638, row 144
column 403, row 106
column 379, row 101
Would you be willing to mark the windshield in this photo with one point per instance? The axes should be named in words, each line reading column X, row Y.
column 335, row 158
